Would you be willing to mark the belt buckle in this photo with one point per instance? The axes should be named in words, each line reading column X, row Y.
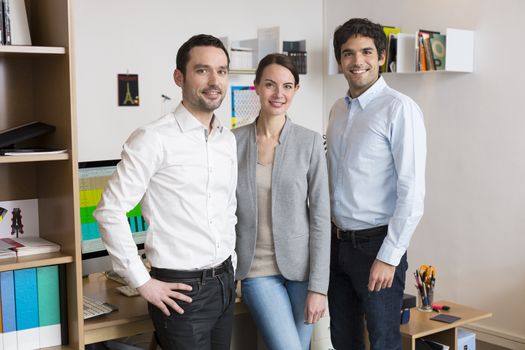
column 338, row 233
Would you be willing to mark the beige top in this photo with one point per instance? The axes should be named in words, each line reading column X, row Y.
column 264, row 263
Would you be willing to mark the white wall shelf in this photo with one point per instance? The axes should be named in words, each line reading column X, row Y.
column 459, row 52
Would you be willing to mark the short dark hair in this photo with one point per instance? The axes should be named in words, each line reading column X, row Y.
column 363, row 27
column 183, row 55
column 280, row 59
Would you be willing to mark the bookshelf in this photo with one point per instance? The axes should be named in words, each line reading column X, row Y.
column 37, row 85
column 459, row 53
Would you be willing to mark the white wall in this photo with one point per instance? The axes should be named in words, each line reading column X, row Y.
column 142, row 37
column 473, row 229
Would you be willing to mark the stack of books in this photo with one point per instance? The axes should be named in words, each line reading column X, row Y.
column 10, row 247
column 297, row 52
column 430, row 50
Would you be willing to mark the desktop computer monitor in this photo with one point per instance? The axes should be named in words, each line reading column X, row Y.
column 93, row 177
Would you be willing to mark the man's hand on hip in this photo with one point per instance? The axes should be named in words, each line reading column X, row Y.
column 381, row 276
column 163, row 294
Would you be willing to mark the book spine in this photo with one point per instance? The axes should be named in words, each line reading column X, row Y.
column 1, row 324
column 422, row 55
column 428, row 54
column 7, row 23
column 26, row 300
column 62, row 283
column 2, row 34
column 48, row 306
column 7, row 291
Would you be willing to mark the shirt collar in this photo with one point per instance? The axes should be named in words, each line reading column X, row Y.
column 367, row 96
column 188, row 122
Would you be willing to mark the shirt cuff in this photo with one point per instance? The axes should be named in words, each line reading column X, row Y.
column 390, row 254
column 137, row 276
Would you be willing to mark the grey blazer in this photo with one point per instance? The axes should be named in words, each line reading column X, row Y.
column 300, row 205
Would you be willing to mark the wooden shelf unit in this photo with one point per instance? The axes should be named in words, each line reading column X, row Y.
column 36, row 84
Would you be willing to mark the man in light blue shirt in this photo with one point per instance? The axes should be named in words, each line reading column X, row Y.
column 376, row 159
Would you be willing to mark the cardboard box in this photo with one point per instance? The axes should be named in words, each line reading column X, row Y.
column 466, row 340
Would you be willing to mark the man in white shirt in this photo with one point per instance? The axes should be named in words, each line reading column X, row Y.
column 376, row 160
column 183, row 170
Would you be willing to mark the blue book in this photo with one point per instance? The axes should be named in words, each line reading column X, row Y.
column 48, row 306
column 26, row 300
column 7, row 291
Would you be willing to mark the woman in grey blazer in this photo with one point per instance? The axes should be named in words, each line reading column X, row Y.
column 283, row 229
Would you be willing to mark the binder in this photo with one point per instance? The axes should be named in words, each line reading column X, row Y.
column 48, row 306
column 1, row 329
column 7, row 291
column 26, row 300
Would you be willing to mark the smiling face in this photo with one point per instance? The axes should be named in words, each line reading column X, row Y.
column 276, row 89
column 360, row 63
column 206, row 79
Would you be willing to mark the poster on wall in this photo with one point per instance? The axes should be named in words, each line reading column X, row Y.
column 245, row 105
column 128, row 90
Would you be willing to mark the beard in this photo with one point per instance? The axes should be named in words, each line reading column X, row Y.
column 205, row 104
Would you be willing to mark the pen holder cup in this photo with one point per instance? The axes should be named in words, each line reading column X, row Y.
column 425, row 304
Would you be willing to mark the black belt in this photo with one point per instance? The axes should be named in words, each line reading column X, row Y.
column 353, row 235
column 183, row 274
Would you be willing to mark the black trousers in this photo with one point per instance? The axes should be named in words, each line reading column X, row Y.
column 349, row 300
column 207, row 321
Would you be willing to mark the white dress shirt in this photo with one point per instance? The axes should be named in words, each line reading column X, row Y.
column 185, row 181
column 376, row 160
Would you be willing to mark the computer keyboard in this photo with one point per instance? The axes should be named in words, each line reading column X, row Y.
column 128, row 291
column 115, row 277
column 94, row 307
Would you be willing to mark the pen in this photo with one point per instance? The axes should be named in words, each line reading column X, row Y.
column 425, row 299
column 417, row 281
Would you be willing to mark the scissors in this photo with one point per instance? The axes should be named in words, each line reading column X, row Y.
column 427, row 273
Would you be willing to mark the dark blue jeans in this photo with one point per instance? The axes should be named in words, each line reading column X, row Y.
column 350, row 302
column 207, row 321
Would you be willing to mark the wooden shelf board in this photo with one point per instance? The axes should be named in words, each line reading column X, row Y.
column 36, row 260
column 35, row 158
column 32, row 50
column 242, row 71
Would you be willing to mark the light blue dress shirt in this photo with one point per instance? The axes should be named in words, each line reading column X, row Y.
column 376, row 162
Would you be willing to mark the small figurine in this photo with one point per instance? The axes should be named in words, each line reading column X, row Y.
column 16, row 222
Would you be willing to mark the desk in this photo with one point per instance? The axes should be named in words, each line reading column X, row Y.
column 421, row 326
column 130, row 319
